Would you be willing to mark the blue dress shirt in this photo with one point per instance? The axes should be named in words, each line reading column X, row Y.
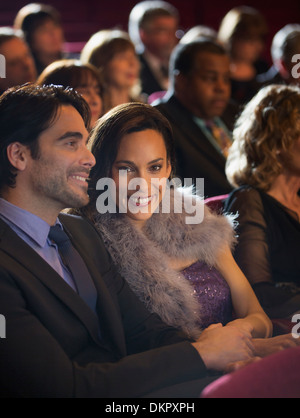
column 34, row 231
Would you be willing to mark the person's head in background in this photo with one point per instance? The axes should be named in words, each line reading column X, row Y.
column 285, row 45
column 243, row 31
column 199, row 77
column 84, row 78
column 199, row 31
column 266, row 139
column 152, row 27
column 18, row 62
column 43, row 31
column 113, row 54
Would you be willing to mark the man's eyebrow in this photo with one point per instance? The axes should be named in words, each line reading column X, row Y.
column 70, row 134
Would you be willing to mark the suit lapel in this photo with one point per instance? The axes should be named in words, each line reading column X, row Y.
column 110, row 321
column 191, row 130
column 23, row 254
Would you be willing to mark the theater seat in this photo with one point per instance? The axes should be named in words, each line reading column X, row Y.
column 216, row 203
column 276, row 376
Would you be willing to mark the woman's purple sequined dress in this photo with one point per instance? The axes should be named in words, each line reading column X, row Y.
column 212, row 292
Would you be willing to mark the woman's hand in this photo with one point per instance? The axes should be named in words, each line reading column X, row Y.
column 241, row 324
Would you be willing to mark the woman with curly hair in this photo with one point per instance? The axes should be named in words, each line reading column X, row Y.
column 264, row 166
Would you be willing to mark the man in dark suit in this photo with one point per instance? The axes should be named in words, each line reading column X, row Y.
column 152, row 27
column 197, row 106
column 58, row 344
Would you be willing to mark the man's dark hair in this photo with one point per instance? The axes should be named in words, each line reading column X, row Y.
column 184, row 56
column 25, row 112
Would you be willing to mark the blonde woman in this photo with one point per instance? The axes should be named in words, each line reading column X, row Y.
column 113, row 53
column 264, row 166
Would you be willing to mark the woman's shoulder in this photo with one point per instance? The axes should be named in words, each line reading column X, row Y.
column 244, row 196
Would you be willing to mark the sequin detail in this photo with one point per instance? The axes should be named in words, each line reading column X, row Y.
column 212, row 292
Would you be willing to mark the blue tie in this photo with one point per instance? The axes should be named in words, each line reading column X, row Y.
column 72, row 259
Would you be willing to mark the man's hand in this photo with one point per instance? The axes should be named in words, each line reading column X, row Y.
column 221, row 346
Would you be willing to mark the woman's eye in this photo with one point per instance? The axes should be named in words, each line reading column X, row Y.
column 126, row 169
column 156, row 168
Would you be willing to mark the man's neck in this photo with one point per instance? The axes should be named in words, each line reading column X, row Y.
column 39, row 208
column 195, row 111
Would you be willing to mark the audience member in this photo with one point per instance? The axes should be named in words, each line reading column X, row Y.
column 84, row 78
column 19, row 64
column 152, row 27
column 285, row 45
column 113, row 54
column 243, row 31
column 197, row 106
column 264, row 165
column 67, row 337
column 178, row 263
column 199, row 31
column 43, row 32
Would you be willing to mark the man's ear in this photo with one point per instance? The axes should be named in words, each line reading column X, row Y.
column 180, row 81
column 143, row 35
column 17, row 155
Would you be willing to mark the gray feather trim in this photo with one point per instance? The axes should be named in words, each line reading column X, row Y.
column 141, row 257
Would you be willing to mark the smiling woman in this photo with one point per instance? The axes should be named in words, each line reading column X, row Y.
column 183, row 272
column 141, row 155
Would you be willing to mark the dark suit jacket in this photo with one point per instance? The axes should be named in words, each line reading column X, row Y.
column 272, row 76
column 52, row 348
column 196, row 157
column 149, row 82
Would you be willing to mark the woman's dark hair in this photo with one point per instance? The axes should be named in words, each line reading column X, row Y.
column 112, row 127
column 27, row 111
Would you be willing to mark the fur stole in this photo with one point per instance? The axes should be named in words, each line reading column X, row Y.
column 141, row 256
